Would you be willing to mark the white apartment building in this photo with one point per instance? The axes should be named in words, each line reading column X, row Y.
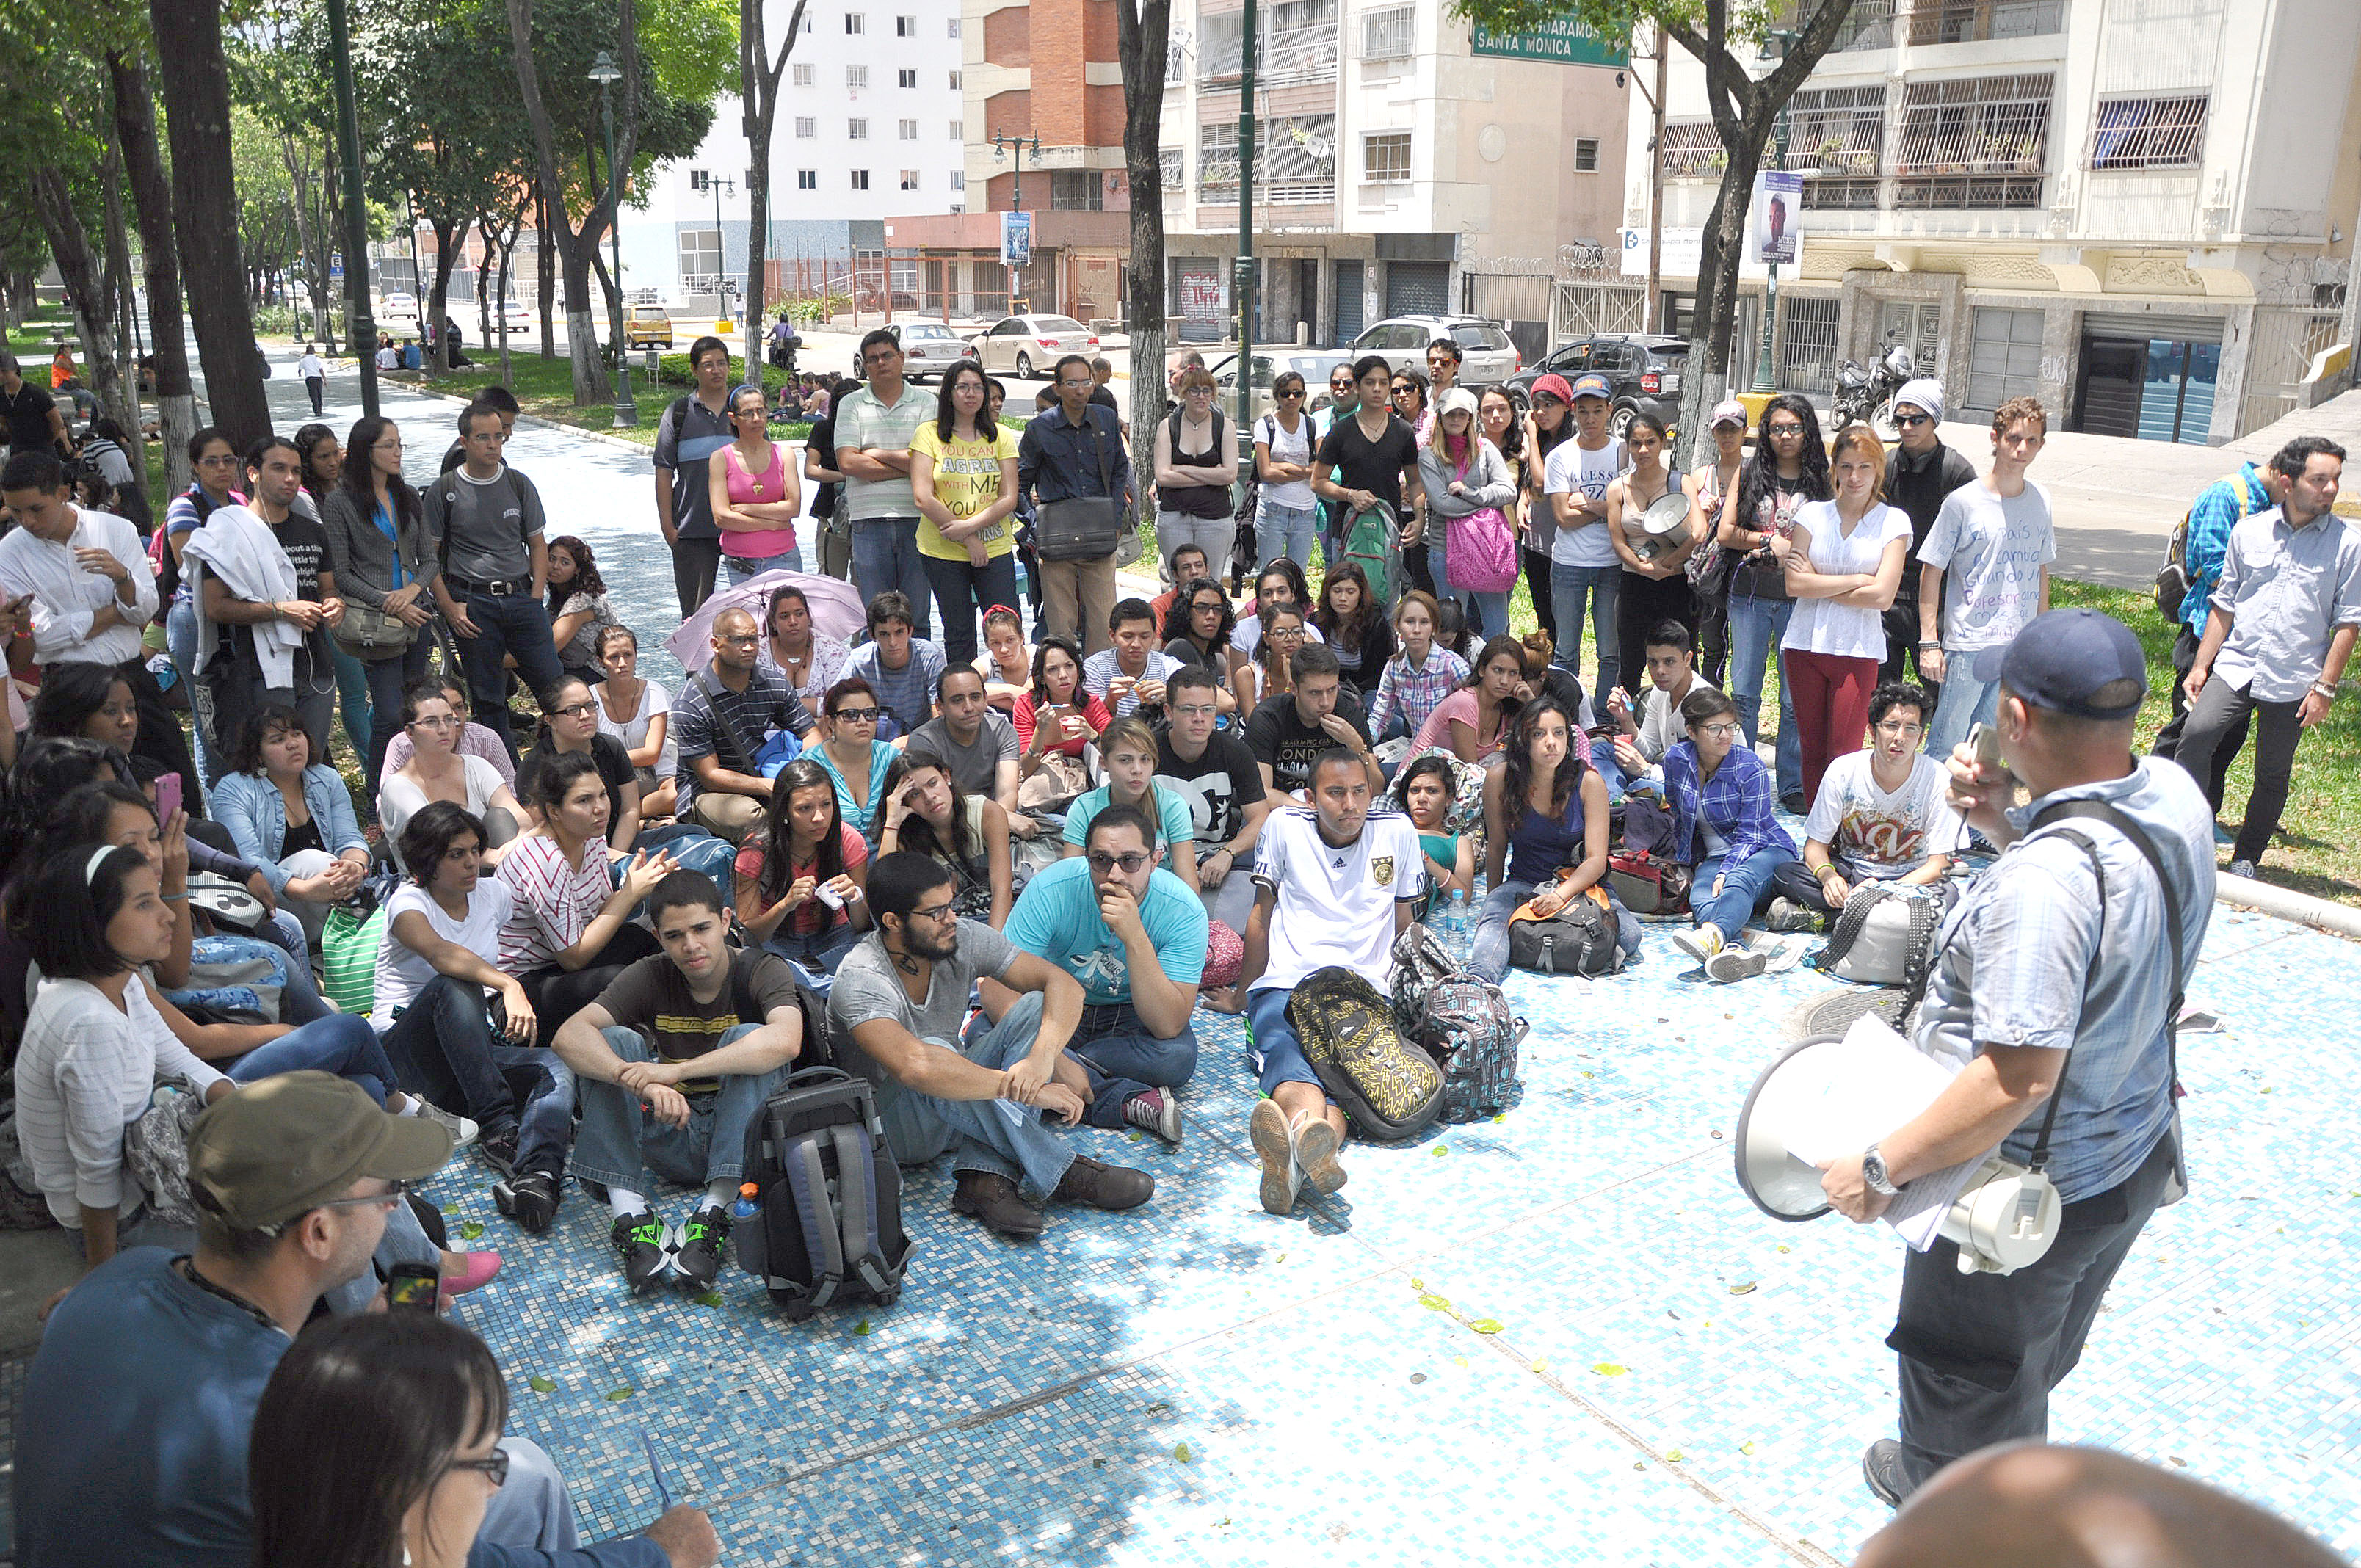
column 2139, row 211
column 871, row 126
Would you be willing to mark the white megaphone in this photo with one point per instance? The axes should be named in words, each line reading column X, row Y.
column 1831, row 1096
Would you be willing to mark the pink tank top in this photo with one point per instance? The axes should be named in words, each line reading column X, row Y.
column 770, row 485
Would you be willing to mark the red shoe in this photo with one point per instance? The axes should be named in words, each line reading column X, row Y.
column 483, row 1267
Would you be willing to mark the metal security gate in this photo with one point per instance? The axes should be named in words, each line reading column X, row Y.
column 1418, row 287
column 1349, row 313
column 2279, row 357
column 1808, row 348
column 1582, row 309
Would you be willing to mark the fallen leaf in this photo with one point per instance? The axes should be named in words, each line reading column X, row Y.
column 1159, row 1405
column 1418, row 1377
column 1417, row 1284
column 471, row 1229
column 1608, row 1369
column 1280, row 1258
column 1639, row 1465
column 1784, row 1247
column 1716, row 1133
column 1499, row 1116
column 2183, row 1463
column 861, row 1327
column 1435, row 1303
column 713, row 1299
column 1442, row 1149
column 1485, row 1325
column 1747, row 1447
column 1672, row 1456
column 1541, row 1367
column 620, row 1393
column 1131, row 1137
column 1745, row 1288
column 1459, row 1360
column 1098, row 1463
column 1182, row 1453
column 541, row 1385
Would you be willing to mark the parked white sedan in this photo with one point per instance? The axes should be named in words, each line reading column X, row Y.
column 1029, row 346
column 929, row 349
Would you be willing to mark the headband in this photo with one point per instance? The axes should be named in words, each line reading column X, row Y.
column 97, row 858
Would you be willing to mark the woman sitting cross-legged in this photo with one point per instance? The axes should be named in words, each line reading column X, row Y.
column 290, row 816
column 96, row 1043
column 637, row 712
column 799, row 886
column 1545, row 826
column 430, row 1013
column 1721, row 800
column 926, row 812
column 569, row 928
column 439, row 771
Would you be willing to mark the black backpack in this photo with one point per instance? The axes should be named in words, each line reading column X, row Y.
column 829, row 1227
column 1577, row 940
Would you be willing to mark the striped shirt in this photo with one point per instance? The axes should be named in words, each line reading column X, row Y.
column 554, row 902
column 1413, row 694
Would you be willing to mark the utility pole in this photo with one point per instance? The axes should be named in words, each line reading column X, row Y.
column 360, row 327
column 1774, row 47
column 1002, row 145
column 1245, row 284
column 1654, row 315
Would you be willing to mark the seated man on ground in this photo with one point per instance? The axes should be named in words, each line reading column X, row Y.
column 900, row 666
column 1289, row 732
column 1336, row 883
column 672, row 1062
column 1882, row 814
column 724, row 712
column 1133, row 934
column 972, row 740
column 1131, row 675
column 1721, row 797
column 1650, row 724
column 1213, row 774
column 900, row 998
column 132, row 1433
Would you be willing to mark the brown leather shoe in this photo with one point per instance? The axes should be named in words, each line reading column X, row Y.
column 1104, row 1186
column 993, row 1199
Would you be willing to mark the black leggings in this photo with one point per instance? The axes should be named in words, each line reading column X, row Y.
column 558, row 994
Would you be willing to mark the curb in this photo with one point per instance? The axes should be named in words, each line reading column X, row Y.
column 539, row 423
column 2285, row 904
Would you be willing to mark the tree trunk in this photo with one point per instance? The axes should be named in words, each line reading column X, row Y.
column 758, row 82
column 310, row 243
column 87, row 294
column 1143, row 32
column 545, row 266
column 119, row 394
column 151, row 198
column 204, row 214
column 508, row 248
column 484, row 279
column 439, row 298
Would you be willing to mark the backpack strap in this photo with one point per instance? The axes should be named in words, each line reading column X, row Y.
column 856, row 1189
column 822, row 1220
column 710, row 685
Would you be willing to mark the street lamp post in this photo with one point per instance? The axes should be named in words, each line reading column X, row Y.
column 1774, row 47
column 360, row 331
column 605, row 73
column 1245, row 284
column 1001, row 147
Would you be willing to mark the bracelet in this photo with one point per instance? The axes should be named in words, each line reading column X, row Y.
column 171, row 896
column 2324, row 689
column 1924, row 646
column 1821, row 871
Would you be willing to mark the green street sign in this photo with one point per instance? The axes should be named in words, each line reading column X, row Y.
column 1563, row 42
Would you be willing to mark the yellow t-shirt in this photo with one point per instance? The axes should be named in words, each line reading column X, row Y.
column 967, row 480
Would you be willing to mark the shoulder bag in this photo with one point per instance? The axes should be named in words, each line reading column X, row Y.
column 1082, row 528
column 370, row 634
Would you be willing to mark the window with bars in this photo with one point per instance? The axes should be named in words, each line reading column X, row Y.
column 1076, row 191
column 806, row 74
column 1295, row 41
column 1981, row 141
column 1295, row 160
column 1975, row 21
column 1836, row 130
column 1385, row 158
column 1586, row 155
column 1691, row 149
column 1842, row 195
column 2148, row 133
column 1172, row 167
column 1388, row 34
column 856, row 77
column 1869, row 25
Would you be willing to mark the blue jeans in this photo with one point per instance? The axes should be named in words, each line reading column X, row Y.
column 816, row 956
column 1488, row 957
column 1116, row 1049
column 1756, row 625
column 340, row 1042
column 1285, row 531
column 885, row 556
column 963, row 592
column 1276, row 1049
column 1966, row 702
column 181, row 640
column 514, row 624
column 617, row 1138
column 1746, row 887
column 353, row 693
column 997, row 1137
column 387, row 679
column 741, row 567
column 1570, row 588
column 1488, row 614
column 442, row 1047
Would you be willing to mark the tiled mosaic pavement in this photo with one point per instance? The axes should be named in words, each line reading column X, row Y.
column 1564, row 1336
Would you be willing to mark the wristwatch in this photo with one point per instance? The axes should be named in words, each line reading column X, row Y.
column 1873, row 1171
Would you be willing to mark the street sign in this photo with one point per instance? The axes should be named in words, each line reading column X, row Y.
column 1564, row 41
column 1017, row 239
column 337, row 266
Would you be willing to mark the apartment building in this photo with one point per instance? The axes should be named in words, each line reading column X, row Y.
column 2139, row 211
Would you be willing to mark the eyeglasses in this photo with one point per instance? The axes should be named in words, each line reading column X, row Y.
column 1719, row 732
column 493, row 1466
column 1277, row 631
column 220, row 460
column 857, row 715
column 1898, row 727
column 445, row 722
column 1911, row 421
column 1130, row 861
column 940, row 913
column 395, row 1190
column 1196, row 710
column 578, row 710
column 880, row 356
column 1086, row 383
column 1193, row 391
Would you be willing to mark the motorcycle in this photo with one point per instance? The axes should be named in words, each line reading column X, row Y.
column 1862, row 395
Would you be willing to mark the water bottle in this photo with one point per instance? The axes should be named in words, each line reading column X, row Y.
column 1456, row 933
column 745, row 1208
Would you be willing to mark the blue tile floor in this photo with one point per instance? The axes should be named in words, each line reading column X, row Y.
column 1562, row 1337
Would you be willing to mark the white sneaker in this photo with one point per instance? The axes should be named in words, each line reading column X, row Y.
column 1699, row 942
column 1274, row 1144
column 463, row 1131
column 1736, row 963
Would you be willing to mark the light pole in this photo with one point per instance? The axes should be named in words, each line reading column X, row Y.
column 1000, row 147
column 1774, row 47
column 360, row 330
column 605, row 73
column 1245, row 285
column 720, row 185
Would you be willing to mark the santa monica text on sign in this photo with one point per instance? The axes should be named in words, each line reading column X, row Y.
column 1565, row 41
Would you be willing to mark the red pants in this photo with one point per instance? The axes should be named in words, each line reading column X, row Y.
column 1831, row 697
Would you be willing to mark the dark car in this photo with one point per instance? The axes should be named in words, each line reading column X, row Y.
column 1644, row 369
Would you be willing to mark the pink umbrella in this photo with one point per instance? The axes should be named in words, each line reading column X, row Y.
column 836, row 610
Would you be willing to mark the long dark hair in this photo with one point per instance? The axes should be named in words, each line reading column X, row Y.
column 918, row 833
column 245, row 749
column 1517, row 778
column 360, row 465
column 1066, row 645
column 778, row 847
column 360, row 1419
column 46, row 770
column 1180, row 617
column 1757, row 480
column 586, row 579
column 548, row 696
column 70, row 692
column 1418, row 768
column 1511, row 445
column 1266, row 615
column 1354, row 634
column 947, row 411
column 59, row 908
column 307, row 441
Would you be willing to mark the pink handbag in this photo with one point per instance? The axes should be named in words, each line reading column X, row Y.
column 1479, row 552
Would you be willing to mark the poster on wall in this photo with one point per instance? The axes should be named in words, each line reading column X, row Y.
column 1775, row 218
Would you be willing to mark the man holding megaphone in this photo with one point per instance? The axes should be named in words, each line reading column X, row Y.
column 2056, row 982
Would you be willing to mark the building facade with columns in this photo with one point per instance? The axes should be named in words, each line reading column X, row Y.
column 2139, row 211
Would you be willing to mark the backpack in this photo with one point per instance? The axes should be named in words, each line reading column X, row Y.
column 1885, row 935
column 1389, row 1088
column 1647, row 883
column 827, row 1228
column 1465, row 1024
column 1373, row 542
column 1578, row 940
column 2171, row 587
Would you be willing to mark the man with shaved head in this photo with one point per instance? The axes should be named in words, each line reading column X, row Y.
column 724, row 712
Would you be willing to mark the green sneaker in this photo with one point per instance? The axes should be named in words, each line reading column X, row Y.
column 698, row 1247
column 641, row 1239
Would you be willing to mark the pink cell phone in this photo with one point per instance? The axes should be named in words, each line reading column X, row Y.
column 167, row 795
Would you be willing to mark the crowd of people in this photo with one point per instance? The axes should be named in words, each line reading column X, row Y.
column 593, row 929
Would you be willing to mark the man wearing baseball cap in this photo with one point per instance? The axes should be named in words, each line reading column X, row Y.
column 1584, row 568
column 2056, row 982
column 1919, row 473
column 131, row 1440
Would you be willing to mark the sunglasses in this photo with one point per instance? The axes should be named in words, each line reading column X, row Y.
column 858, row 715
column 1911, row 421
column 1130, row 861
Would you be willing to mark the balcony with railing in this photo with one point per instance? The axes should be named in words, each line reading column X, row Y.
column 1295, row 42
column 1882, row 24
column 1981, row 141
column 1295, row 162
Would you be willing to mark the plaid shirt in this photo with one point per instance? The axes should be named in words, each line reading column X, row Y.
column 1738, row 800
column 2219, row 509
column 1414, row 694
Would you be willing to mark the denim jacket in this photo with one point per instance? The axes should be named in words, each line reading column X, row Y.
column 251, row 807
column 1737, row 800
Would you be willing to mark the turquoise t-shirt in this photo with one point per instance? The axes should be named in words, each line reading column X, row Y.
column 1171, row 811
column 1057, row 918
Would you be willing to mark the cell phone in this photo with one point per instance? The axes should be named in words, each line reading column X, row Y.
column 167, row 795
column 1985, row 739
column 414, row 1285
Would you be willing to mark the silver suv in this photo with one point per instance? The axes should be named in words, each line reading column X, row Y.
column 1488, row 354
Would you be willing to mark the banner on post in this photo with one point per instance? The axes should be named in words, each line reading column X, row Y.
column 1775, row 218
column 1017, row 239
